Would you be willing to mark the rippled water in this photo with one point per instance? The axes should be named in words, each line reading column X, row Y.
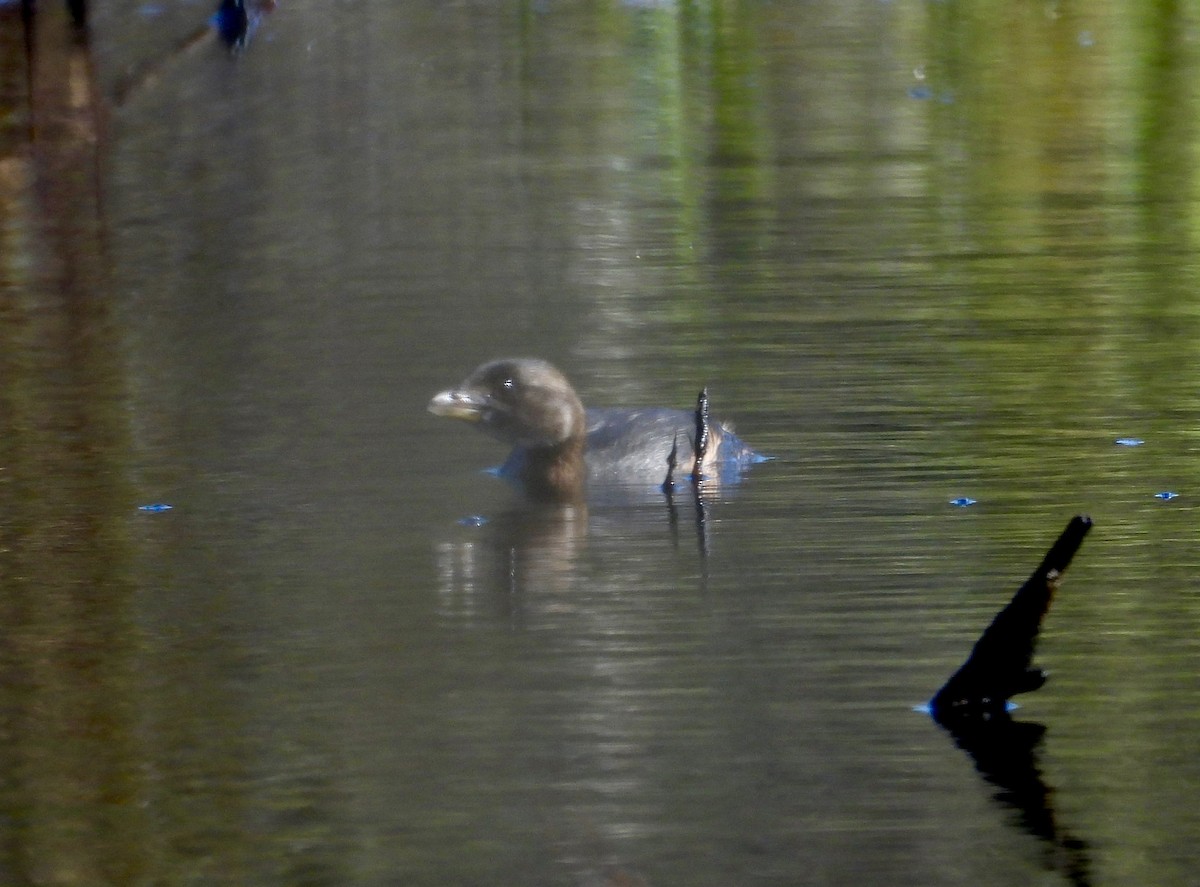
column 916, row 252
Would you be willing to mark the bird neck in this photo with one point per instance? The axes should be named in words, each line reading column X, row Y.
column 556, row 473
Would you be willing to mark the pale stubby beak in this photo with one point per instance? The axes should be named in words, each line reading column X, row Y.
column 469, row 406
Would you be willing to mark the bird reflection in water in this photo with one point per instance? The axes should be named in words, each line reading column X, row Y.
column 973, row 706
column 522, row 559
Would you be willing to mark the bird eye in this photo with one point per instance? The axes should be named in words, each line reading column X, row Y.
column 509, row 384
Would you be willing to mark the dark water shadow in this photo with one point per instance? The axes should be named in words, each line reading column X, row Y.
column 1004, row 752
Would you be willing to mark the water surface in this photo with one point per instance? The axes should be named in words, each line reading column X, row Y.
column 916, row 252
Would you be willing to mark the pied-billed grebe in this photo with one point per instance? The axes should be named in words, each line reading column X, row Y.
column 559, row 447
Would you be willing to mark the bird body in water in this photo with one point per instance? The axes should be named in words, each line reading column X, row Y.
column 560, row 448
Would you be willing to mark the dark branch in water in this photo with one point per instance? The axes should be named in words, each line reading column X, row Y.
column 703, row 437
column 1000, row 665
column 700, row 444
column 973, row 707
column 668, row 485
